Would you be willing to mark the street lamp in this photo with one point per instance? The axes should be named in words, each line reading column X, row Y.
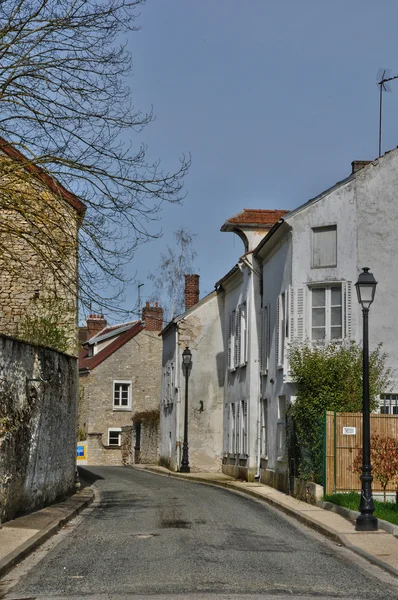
column 366, row 521
column 187, row 362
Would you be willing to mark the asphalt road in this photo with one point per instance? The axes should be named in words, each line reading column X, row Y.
column 156, row 536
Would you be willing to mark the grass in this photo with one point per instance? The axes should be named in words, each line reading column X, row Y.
column 387, row 511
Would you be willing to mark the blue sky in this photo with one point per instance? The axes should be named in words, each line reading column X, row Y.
column 273, row 99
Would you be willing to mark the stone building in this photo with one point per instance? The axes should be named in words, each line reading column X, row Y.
column 199, row 328
column 39, row 222
column 120, row 374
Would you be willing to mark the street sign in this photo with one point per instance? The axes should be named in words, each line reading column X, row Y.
column 81, row 452
column 349, row 430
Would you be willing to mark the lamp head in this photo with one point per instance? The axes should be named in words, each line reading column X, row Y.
column 366, row 288
column 187, row 357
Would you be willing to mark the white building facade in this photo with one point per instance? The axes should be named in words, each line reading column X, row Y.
column 310, row 262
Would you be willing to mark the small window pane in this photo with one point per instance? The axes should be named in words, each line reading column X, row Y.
column 336, row 295
column 336, row 333
column 336, row 316
column 318, row 317
column 318, row 297
column 318, row 333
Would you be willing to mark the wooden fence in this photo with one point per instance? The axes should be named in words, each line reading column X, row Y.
column 342, row 442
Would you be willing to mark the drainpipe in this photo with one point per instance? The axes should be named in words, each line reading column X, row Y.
column 259, row 273
column 178, row 402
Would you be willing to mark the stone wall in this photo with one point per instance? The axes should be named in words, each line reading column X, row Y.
column 40, row 263
column 38, row 417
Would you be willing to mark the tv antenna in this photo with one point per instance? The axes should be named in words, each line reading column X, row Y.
column 383, row 78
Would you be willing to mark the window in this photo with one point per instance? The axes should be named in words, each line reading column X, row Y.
column 324, row 246
column 114, row 436
column 280, row 428
column 264, row 423
column 326, row 313
column 389, row 404
column 122, row 395
column 264, row 341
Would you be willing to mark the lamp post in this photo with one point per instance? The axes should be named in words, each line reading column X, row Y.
column 366, row 521
column 186, row 361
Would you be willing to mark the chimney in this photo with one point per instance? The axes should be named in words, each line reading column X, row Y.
column 359, row 164
column 95, row 324
column 191, row 290
column 153, row 317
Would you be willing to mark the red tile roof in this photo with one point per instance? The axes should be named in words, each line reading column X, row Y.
column 256, row 216
column 86, row 362
column 40, row 174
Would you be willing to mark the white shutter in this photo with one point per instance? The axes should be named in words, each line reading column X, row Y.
column 244, row 334
column 348, row 309
column 237, row 428
column 238, row 335
column 231, row 338
column 244, row 426
column 277, row 344
column 297, row 313
column 264, row 340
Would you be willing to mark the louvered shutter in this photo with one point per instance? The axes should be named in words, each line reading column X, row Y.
column 262, row 340
column 348, row 309
column 237, row 428
column 244, row 426
column 244, row 334
column 297, row 313
column 230, row 340
column 238, row 336
column 277, row 344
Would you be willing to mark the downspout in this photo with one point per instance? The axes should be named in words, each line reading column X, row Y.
column 178, row 402
column 259, row 396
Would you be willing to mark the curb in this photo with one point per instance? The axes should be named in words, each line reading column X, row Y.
column 75, row 504
column 351, row 515
column 305, row 520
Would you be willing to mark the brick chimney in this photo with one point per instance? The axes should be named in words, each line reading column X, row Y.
column 359, row 164
column 95, row 324
column 153, row 317
column 191, row 290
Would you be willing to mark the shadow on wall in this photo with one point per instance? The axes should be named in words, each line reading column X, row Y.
column 220, row 368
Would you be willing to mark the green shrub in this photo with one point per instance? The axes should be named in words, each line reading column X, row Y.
column 329, row 378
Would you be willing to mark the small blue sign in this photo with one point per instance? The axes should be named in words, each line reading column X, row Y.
column 80, row 451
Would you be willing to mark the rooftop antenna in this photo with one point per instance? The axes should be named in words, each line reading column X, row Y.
column 139, row 297
column 383, row 77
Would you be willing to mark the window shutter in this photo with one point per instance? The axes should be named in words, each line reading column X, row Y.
column 348, row 309
column 297, row 311
column 232, row 341
column 277, row 345
column 244, row 426
column 237, row 428
column 244, row 332
column 238, row 336
column 264, row 340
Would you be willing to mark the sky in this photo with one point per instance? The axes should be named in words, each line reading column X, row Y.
column 272, row 99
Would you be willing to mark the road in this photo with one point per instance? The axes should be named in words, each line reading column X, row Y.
column 169, row 538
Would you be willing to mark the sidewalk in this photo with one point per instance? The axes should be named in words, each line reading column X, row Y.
column 378, row 547
column 20, row 537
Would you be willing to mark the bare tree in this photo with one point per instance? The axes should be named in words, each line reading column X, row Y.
column 169, row 280
column 65, row 104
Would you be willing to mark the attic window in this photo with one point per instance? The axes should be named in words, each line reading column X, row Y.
column 324, row 246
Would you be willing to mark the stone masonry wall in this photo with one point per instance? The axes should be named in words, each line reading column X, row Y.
column 26, row 280
column 138, row 361
column 38, row 415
